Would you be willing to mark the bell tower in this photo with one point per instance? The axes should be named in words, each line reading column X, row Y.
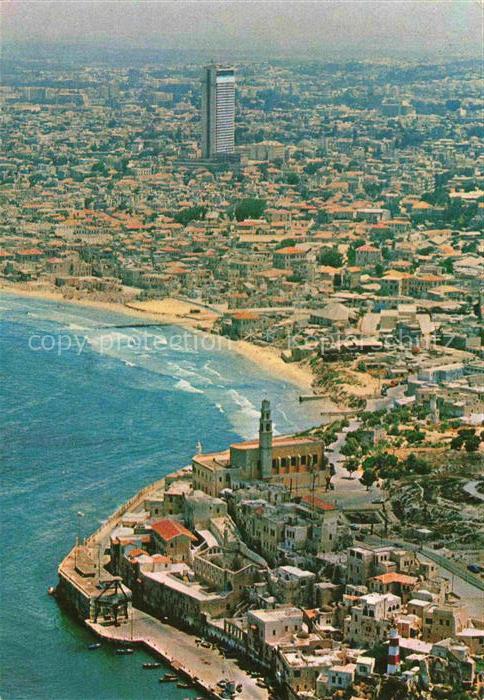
column 265, row 440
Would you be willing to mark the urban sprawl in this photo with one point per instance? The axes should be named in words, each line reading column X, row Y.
column 330, row 213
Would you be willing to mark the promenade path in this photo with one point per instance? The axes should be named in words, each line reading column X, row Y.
column 180, row 650
column 472, row 489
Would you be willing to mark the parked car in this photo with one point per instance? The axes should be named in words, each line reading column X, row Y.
column 475, row 568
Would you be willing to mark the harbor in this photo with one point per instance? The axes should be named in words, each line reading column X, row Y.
column 203, row 667
column 83, row 581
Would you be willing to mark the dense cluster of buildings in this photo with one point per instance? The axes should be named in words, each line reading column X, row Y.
column 260, row 568
column 324, row 210
column 330, row 210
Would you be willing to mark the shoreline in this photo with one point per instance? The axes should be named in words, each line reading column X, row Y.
column 266, row 358
column 202, row 666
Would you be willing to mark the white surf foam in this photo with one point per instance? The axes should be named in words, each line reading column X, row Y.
column 207, row 366
column 184, row 385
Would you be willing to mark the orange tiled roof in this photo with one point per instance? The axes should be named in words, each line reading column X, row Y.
column 317, row 503
column 291, row 250
column 169, row 529
column 393, row 577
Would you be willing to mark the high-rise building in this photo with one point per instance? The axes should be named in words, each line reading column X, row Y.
column 218, row 111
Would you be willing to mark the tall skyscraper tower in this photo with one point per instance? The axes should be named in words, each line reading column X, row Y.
column 218, row 111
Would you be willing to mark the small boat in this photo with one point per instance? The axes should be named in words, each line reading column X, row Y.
column 183, row 684
column 93, row 646
column 51, row 590
column 124, row 650
column 152, row 664
column 169, row 678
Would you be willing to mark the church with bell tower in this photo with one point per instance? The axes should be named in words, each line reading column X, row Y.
column 283, row 459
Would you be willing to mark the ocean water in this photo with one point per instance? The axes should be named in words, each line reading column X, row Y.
column 90, row 413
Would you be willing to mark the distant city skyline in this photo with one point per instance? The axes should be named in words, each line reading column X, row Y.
column 229, row 27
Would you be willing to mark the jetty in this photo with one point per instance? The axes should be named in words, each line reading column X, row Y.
column 84, row 580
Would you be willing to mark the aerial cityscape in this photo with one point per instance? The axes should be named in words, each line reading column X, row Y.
column 241, row 297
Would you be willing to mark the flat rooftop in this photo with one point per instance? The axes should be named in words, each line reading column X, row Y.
column 192, row 589
column 275, row 615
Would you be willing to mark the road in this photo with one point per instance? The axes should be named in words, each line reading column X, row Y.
column 471, row 489
column 348, row 492
column 469, row 592
column 465, row 584
column 182, row 652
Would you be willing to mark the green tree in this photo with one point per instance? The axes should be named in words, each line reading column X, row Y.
column 313, row 167
column 448, row 266
column 322, row 217
column 466, row 432
column 331, row 257
column 456, row 442
column 472, row 443
column 383, row 460
column 351, row 255
column 292, row 178
column 99, row 168
column 368, row 478
column 190, row 214
column 419, row 466
column 251, row 208
column 414, row 436
column 351, row 466
column 286, row 243
column 350, row 448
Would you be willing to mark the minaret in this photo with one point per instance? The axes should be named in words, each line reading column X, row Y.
column 393, row 665
column 265, row 440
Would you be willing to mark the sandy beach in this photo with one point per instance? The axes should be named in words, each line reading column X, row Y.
column 175, row 312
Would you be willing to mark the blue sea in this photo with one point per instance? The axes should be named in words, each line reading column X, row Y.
column 90, row 413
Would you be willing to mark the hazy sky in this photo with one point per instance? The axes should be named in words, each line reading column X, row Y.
column 274, row 27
